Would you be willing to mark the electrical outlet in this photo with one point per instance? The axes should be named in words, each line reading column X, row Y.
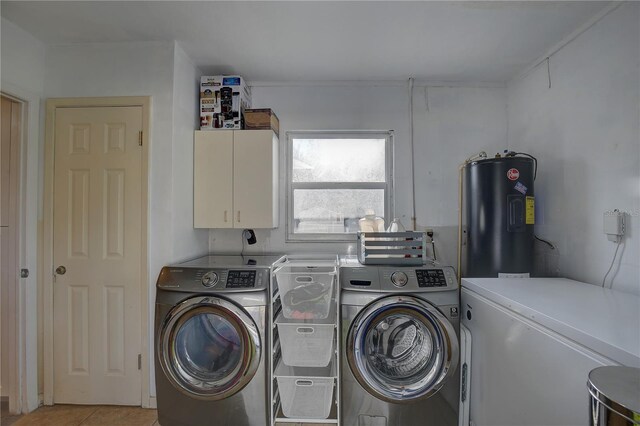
column 614, row 225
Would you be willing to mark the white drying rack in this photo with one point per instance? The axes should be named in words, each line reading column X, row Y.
column 392, row 248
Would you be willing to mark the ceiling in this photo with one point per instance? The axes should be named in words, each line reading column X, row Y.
column 311, row 41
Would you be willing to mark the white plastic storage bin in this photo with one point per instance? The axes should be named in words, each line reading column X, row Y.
column 305, row 345
column 305, row 291
column 303, row 394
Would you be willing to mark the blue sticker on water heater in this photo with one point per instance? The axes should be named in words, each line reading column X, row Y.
column 520, row 188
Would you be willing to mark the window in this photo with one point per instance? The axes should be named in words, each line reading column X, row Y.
column 333, row 179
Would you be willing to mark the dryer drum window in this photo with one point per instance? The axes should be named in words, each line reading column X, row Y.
column 401, row 351
column 209, row 348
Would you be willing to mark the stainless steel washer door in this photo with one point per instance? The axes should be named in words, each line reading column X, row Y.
column 209, row 347
column 401, row 349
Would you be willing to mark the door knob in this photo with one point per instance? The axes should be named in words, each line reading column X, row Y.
column 61, row 270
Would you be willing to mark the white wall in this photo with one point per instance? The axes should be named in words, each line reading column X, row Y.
column 460, row 122
column 22, row 58
column 187, row 241
column 585, row 132
column 162, row 71
column 22, row 76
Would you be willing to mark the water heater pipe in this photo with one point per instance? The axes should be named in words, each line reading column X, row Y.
column 481, row 155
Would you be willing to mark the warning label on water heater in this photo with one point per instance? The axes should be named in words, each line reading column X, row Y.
column 530, row 211
column 520, row 188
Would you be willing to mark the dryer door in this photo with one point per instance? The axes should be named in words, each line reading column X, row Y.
column 401, row 348
column 209, row 347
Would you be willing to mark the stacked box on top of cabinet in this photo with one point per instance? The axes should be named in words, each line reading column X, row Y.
column 305, row 340
column 223, row 99
column 261, row 119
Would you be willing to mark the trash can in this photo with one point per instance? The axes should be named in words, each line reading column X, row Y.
column 614, row 396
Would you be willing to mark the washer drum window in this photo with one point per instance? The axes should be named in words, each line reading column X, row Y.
column 401, row 349
column 209, row 348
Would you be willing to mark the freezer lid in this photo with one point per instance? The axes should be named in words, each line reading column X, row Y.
column 601, row 319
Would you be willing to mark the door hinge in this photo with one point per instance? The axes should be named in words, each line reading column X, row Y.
column 139, row 361
column 140, row 138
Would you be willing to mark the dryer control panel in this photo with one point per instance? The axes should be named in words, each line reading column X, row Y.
column 213, row 279
column 241, row 279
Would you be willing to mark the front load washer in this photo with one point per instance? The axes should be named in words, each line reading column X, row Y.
column 399, row 332
column 210, row 341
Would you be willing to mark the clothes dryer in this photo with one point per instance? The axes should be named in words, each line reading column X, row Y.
column 211, row 340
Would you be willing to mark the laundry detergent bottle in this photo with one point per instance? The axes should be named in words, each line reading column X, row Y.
column 371, row 223
column 395, row 226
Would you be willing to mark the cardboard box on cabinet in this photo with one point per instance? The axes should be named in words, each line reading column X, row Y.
column 262, row 119
column 223, row 100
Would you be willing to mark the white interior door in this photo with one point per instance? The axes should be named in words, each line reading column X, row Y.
column 97, row 240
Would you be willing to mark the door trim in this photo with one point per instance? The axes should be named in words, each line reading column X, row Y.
column 13, row 303
column 26, row 396
column 47, row 271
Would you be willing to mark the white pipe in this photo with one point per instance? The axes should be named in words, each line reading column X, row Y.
column 481, row 155
column 460, row 170
column 413, row 176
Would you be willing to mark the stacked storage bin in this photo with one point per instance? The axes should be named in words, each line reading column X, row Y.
column 305, row 340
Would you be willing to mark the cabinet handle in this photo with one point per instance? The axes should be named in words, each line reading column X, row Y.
column 225, row 216
column 238, row 216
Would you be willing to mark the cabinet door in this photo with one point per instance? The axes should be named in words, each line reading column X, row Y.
column 212, row 179
column 255, row 179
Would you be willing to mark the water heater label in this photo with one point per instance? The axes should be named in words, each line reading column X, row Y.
column 530, row 211
column 513, row 174
column 520, row 188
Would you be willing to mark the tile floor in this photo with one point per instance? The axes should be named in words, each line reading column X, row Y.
column 87, row 415
column 91, row 415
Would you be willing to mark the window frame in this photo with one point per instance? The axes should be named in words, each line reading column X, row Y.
column 387, row 186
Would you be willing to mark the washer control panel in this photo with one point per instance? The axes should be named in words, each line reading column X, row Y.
column 391, row 278
column 399, row 279
column 431, row 278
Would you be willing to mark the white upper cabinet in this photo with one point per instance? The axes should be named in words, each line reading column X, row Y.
column 213, row 179
column 235, row 179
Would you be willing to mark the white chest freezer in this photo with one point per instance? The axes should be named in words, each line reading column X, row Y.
column 535, row 341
